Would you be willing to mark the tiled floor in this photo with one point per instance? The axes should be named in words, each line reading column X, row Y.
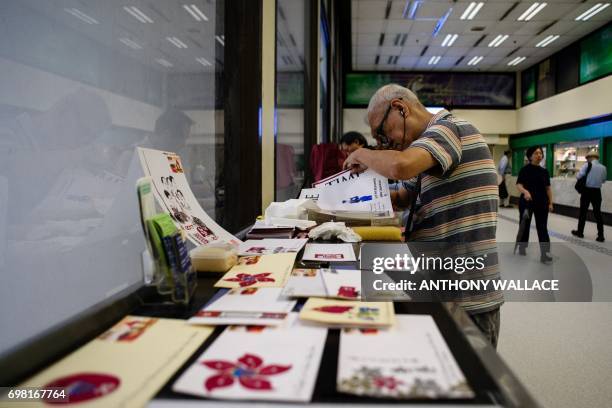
column 562, row 352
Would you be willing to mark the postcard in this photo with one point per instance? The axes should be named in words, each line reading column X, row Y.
column 410, row 360
column 342, row 283
column 174, row 195
column 270, row 246
column 256, row 306
column 263, row 364
column 304, row 283
column 346, row 313
column 259, row 271
column 125, row 366
column 329, row 253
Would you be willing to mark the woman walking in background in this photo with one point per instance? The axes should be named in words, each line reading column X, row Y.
column 536, row 198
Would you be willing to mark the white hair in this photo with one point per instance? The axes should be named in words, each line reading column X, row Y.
column 388, row 93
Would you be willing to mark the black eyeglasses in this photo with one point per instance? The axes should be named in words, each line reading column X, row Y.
column 380, row 136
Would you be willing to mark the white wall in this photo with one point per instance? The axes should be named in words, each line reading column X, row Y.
column 491, row 123
column 586, row 101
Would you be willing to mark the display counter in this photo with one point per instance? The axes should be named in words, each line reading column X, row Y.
column 489, row 377
column 565, row 194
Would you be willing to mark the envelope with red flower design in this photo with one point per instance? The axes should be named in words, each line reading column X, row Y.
column 342, row 283
column 410, row 360
column 259, row 271
column 258, row 365
column 259, row 306
column 347, row 313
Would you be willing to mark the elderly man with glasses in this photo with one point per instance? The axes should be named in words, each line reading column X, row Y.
column 446, row 163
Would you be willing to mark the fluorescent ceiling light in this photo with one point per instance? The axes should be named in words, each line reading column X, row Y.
column 434, row 60
column 498, row 40
column 203, row 61
column 132, row 44
column 592, row 11
column 410, row 10
column 137, row 14
column 163, row 62
column 475, row 60
column 221, row 39
column 547, row 41
column 195, row 12
column 534, row 9
column 176, row 42
column 449, row 40
column 471, row 10
column 516, row 61
column 81, row 16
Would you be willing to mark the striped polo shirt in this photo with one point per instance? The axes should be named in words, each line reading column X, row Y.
column 458, row 201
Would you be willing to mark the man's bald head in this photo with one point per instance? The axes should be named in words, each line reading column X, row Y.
column 384, row 95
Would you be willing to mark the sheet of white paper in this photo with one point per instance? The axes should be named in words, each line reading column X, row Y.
column 329, row 253
column 266, row 364
column 310, row 193
column 342, row 283
column 365, row 192
column 304, row 283
column 338, row 178
column 258, row 306
column 174, row 195
column 408, row 360
column 270, row 246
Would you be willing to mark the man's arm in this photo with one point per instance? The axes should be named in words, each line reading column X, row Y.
column 582, row 171
column 391, row 163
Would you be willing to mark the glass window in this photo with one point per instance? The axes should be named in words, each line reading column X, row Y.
column 570, row 157
column 83, row 83
column 290, row 36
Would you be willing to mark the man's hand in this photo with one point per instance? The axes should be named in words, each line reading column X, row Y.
column 527, row 195
column 353, row 163
column 550, row 207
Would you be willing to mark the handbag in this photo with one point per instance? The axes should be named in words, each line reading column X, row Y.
column 581, row 182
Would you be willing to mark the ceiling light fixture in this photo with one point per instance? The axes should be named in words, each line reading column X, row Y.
column 441, row 22
column 592, row 11
column 471, row 10
column 547, row 41
column 129, row 43
column 475, row 60
column 516, row 61
column 81, row 16
column 220, row 39
column 176, row 42
column 195, row 12
column 449, row 40
column 410, row 9
column 137, row 14
column 163, row 62
column 498, row 40
column 534, row 9
column 204, row 61
column 434, row 60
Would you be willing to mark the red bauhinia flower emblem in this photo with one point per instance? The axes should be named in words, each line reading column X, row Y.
column 249, row 371
column 336, row 309
column 390, row 383
column 247, row 279
column 348, row 292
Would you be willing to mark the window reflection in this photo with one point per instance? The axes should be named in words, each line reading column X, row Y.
column 290, row 38
column 83, row 84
